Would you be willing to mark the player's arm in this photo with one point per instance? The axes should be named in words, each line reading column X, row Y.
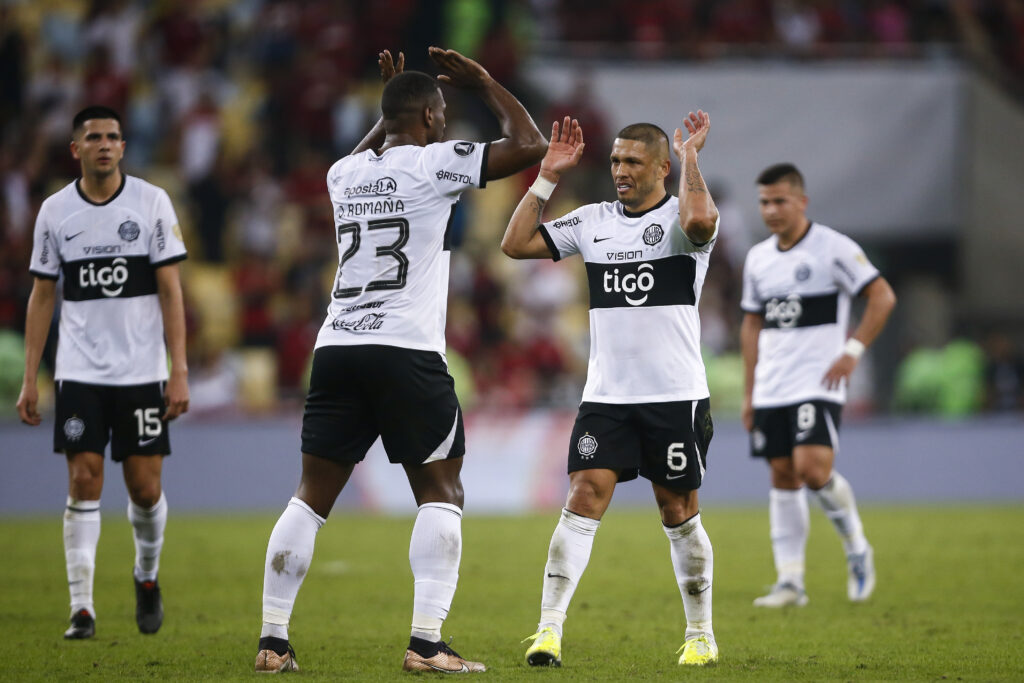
column 37, row 326
column 388, row 68
column 697, row 212
column 750, row 330
column 522, row 238
column 881, row 301
column 521, row 145
column 172, row 307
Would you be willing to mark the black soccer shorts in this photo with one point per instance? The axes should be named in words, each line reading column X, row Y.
column 128, row 417
column 405, row 396
column 777, row 431
column 666, row 443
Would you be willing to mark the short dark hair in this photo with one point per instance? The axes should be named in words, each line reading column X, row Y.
column 407, row 93
column 778, row 172
column 93, row 112
column 651, row 135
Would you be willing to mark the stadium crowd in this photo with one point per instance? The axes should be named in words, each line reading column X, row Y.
column 239, row 108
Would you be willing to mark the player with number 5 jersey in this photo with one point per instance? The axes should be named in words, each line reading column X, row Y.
column 379, row 368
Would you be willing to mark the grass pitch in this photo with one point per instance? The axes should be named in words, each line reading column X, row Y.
column 948, row 605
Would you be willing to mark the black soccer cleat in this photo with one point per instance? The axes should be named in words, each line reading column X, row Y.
column 149, row 607
column 82, row 626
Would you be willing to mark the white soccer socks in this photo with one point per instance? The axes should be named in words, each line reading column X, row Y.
column 693, row 562
column 789, row 521
column 289, row 553
column 568, row 556
column 148, row 532
column 81, row 534
column 836, row 499
column 435, row 551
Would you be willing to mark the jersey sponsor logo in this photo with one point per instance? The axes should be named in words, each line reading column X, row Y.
column 381, row 187
column 68, row 238
column 368, row 304
column 587, row 446
column 464, row 149
column 108, row 278
column 566, row 222
column 624, row 255
column 366, row 323
column 454, row 177
column 845, row 269
column 387, row 206
column 129, row 231
column 74, row 427
column 802, row 272
column 653, row 234
column 797, row 311
column 44, row 256
column 161, row 237
column 103, row 249
column 667, row 281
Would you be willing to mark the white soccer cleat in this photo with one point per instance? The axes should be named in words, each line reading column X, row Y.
column 861, row 582
column 783, row 595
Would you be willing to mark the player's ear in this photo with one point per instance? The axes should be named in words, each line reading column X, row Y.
column 74, row 149
column 428, row 116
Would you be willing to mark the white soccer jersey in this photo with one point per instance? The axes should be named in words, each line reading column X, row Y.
column 645, row 280
column 111, row 326
column 804, row 295
column 392, row 214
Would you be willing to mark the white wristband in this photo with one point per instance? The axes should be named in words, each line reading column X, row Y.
column 542, row 187
column 853, row 348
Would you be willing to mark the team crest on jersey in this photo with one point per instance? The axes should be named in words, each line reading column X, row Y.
column 653, row 234
column 129, row 231
column 803, row 271
column 587, row 446
column 464, row 149
column 74, row 428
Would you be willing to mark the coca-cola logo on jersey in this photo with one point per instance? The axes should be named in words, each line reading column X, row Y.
column 381, row 187
column 110, row 279
column 784, row 312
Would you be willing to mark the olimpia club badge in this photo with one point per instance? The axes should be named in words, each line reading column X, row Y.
column 587, row 446
column 653, row 234
column 74, row 428
column 129, row 231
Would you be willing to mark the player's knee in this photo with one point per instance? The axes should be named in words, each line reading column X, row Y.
column 85, row 485
column 145, row 494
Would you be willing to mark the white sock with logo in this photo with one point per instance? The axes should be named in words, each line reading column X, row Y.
column 81, row 535
column 435, row 551
column 148, row 531
column 693, row 562
column 568, row 556
column 289, row 553
column 789, row 521
column 836, row 499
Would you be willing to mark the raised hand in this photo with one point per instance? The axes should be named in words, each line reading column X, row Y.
column 564, row 149
column 698, row 126
column 388, row 67
column 463, row 72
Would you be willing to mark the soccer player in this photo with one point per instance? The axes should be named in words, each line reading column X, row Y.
column 378, row 366
column 645, row 405
column 117, row 243
column 797, row 286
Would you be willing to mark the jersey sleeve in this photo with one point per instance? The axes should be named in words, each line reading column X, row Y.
column 750, row 300
column 456, row 165
column 850, row 267
column 562, row 235
column 690, row 247
column 165, row 245
column 45, row 262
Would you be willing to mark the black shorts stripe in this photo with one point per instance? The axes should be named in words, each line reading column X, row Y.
column 801, row 311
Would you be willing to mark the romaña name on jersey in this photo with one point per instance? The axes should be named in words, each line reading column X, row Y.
column 804, row 294
column 392, row 214
column 645, row 279
column 111, row 325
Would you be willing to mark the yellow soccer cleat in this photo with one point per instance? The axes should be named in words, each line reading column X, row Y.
column 698, row 651
column 546, row 649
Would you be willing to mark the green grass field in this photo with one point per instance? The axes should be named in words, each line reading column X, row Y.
column 948, row 606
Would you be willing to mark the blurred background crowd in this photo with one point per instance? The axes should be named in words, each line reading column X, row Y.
column 238, row 108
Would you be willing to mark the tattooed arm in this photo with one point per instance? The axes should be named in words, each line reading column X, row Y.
column 697, row 212
column 522, row 238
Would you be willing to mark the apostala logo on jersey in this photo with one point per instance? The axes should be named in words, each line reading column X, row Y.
column 784, row 312
column 129, row 231
column 634, row 285
column 653, row 234
column 587, row 446
column 366, row 323
column 381, row 187
column 464, row 149
column 110, row 279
